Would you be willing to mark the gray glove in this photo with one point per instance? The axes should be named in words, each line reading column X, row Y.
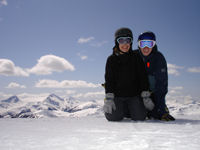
column 148, row 103
column 109, row 104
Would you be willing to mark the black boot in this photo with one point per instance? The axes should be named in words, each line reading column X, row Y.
column 167, row 117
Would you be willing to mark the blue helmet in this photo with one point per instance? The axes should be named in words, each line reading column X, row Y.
column 148, row 35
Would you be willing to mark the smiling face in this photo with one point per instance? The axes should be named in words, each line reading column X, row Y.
column 124, row 47
column 146, row 51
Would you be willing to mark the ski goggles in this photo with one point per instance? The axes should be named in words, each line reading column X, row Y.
column 124, row 40
column 146, row 43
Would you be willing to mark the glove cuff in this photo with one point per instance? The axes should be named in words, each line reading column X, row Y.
column 145, row 94
column 110, row 96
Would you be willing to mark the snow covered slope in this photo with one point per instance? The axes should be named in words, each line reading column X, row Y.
column 96, row 133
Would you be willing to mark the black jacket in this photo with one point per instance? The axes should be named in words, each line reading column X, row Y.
column 125, row 75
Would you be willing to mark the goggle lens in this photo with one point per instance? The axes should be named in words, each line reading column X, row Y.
column 146, row 43
column 124, row 40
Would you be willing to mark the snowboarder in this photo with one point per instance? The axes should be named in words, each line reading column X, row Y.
column 156, row 68
column 125, row 80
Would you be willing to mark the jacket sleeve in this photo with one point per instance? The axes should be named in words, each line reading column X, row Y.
column 161, row 77
column 109, row 76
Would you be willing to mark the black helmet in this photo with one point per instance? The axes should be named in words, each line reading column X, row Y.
column 123, row 32
column 148, row 35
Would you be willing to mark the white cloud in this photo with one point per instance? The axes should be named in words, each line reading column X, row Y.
column 4, row 96
column 99, row 44
column 50, row 63
column 15, row 85
column 69, row 92
column 46, row 65
column 85, row 40
column 194, row 70
column 8, row 68
column 177, row 94
column 83, row 57
column 175, row 90
column 64, row 84
column 30, row 97
column 174, row 69
column 179, row 98
column 3, row 3
column 91, row 95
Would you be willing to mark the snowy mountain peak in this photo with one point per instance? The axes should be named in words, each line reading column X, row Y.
column 54, row 102
column 54, row 96
column 12, row 99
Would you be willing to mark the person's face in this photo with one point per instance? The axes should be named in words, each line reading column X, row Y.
column 124, row 43
column 146, row 46
column 124, row 47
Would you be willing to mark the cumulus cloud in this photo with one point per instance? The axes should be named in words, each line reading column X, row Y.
column 194, row 70
column 50, row 63
column 3, row 3
column 85, row 40
column 8, row 68
column 174, row 69
column 15, row 85
column 64, row 84
column 46, row 65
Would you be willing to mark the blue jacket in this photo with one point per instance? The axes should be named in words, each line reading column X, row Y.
column 156, row 68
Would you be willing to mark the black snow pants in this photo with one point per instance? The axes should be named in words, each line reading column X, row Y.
column 131, row 107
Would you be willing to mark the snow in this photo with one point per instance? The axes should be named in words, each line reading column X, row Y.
column 97, row 133
column 56, row 123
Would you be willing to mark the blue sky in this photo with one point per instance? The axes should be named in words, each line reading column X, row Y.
column 49, row 45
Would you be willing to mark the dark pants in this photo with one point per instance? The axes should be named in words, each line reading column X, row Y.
column 160, row 107
column 127, row 105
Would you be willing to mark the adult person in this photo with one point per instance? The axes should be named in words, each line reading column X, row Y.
column 156, row 68
column 125, row 79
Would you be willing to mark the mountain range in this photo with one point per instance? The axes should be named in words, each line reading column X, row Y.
column 55, row 106
column 51, row 106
